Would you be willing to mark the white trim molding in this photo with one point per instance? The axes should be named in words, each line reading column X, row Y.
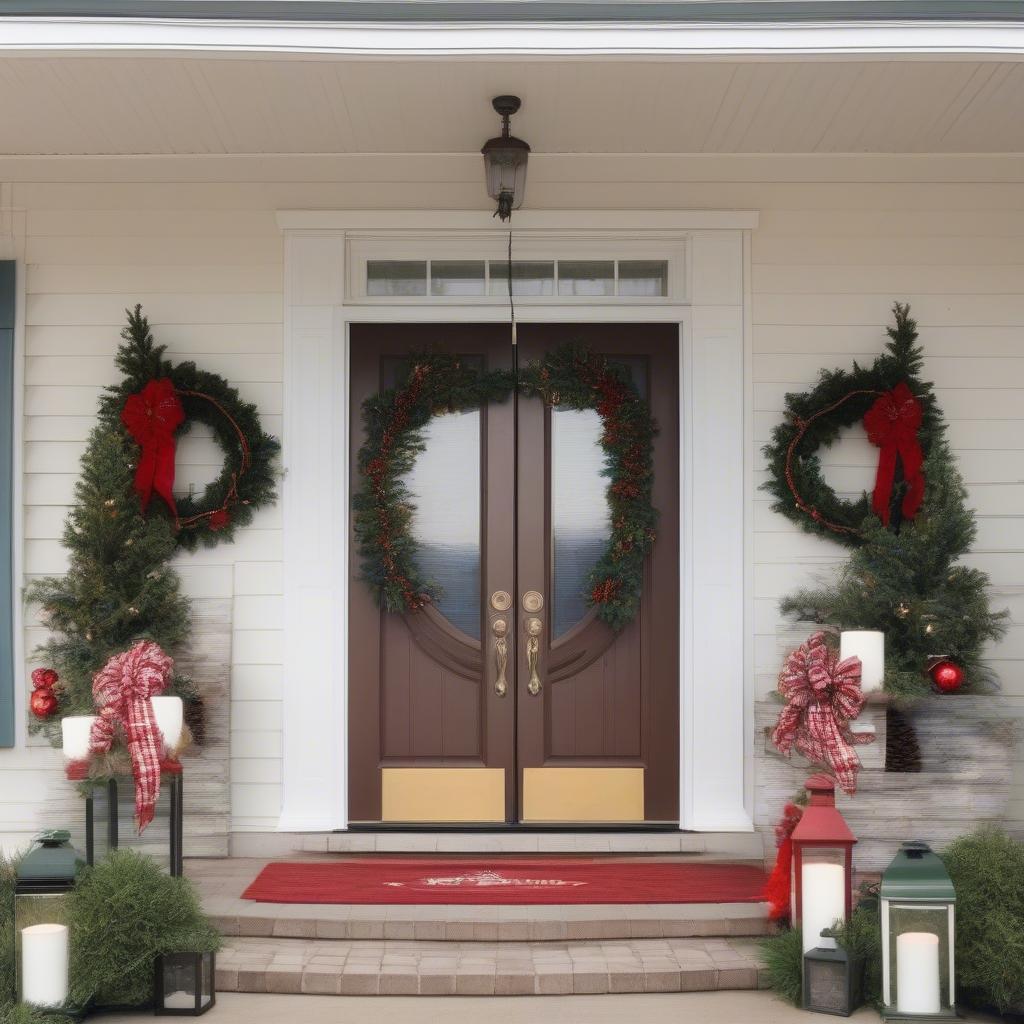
column 709, row 300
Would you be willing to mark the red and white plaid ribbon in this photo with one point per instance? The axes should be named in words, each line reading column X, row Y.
column 122, row 690
column 822, row 695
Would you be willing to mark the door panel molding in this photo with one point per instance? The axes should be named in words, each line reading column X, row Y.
column 715, row 738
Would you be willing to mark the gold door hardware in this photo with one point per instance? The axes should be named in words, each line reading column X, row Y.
column 534, row 627
column 532, row 601
column 501, row 600
column 499, row 628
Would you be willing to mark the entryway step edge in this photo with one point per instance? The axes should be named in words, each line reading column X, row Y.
column 490, row 923
column 409, row 968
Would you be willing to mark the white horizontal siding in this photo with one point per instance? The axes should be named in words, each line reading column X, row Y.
column 195, row 240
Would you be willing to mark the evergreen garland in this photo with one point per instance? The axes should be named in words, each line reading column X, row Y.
column 904, row 579
column 119, row 586
column 571, row 377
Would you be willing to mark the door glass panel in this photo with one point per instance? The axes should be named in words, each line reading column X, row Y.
column 580, row 522
column 445, row 487
column 396, row 277
column 643, row 278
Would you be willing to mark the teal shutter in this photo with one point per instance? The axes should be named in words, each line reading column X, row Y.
column 6, row 508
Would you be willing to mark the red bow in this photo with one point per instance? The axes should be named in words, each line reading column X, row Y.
column 822, row 695
column 892, row 423
column 122, row 690
column 151, row 416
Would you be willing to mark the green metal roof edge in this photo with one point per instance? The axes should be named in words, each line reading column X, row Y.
column 680, row 11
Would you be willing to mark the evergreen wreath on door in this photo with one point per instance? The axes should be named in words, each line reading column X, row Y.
column 126, row 524
column 571, row 376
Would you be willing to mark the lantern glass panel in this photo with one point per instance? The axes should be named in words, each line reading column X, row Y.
column 111, row 822
column 832, row 982
column 823, row 890
column 32, row 908
column 919, row 958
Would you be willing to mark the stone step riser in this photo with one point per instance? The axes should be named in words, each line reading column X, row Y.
column 410, row 968
column 504, row 931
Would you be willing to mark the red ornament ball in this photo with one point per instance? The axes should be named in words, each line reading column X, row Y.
column 43, row 703
column 44, row 679
column 947, row 676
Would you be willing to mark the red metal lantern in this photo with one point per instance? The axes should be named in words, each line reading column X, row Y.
column 822, row 882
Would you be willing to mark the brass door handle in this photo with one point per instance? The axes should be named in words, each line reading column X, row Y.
column 534, row 627
column 499, row 628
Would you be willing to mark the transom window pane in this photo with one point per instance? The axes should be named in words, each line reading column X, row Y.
column 396, row 277
column 586, row 277
column 580, row 522
column 445, row 487
column 528, row 278
column 643, row 278
column 457, row 277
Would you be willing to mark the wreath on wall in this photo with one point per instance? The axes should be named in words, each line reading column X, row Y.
column 898, row 411
column 571, row 377
column 120, row 588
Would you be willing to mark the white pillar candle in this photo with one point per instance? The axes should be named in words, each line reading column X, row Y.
column 917, row 972
column 869, row 646
column 44, row 964
column 75, row 730
column 822, row 900
column 169, row 713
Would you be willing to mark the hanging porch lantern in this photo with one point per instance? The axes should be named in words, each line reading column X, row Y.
column 45, row 877
column 822, row 878
column 184, row 984
column 832, row 979
column 505, row 160
column 917, row 905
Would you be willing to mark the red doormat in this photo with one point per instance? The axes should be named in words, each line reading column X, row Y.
column 506, row 880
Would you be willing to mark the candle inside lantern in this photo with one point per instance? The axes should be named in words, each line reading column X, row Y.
column 822, row 900
column 869, row 646
column 44, row 964
column 169, row 712
column 917, row 972
column 75, row 731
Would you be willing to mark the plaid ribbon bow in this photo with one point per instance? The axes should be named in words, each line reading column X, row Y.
column 822, row 695
column 122, row 690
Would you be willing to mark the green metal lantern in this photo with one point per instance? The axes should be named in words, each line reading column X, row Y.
column 918, row 937
column 45, row 877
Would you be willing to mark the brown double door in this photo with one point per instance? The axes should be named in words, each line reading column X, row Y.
column 507, row 701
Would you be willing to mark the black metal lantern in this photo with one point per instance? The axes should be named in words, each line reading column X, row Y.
column 184, row 984
column 505, row 160
column 45, row 877
column 110, row 821
column 832, row 981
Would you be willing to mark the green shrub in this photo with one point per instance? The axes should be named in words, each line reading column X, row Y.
column 862, row 936
column 784, row 958
column 987, row 869
column 123, row 912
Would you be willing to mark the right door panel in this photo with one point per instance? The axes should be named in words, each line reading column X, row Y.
column 598, row 729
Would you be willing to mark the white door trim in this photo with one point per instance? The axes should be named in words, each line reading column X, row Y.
column 716, row 630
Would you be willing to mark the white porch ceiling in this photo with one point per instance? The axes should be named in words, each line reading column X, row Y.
column 170, row 104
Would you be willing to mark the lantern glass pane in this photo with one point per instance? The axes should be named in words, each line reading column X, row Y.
column 155, row 841
column 179, row 981
column 206, row 988
column 827, row 986
column 36, row 908
column 919, row 958
column 823, row 890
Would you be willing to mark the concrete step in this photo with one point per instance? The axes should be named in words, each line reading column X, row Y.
column 504, row 923
column 711, row 846
column 326, row 967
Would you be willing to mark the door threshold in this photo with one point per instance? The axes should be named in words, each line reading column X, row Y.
column 399, row 828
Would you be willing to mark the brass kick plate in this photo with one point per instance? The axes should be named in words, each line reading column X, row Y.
column 583, row 794
column 442, row 794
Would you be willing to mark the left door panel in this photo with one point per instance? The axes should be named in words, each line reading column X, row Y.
column 431, row 733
